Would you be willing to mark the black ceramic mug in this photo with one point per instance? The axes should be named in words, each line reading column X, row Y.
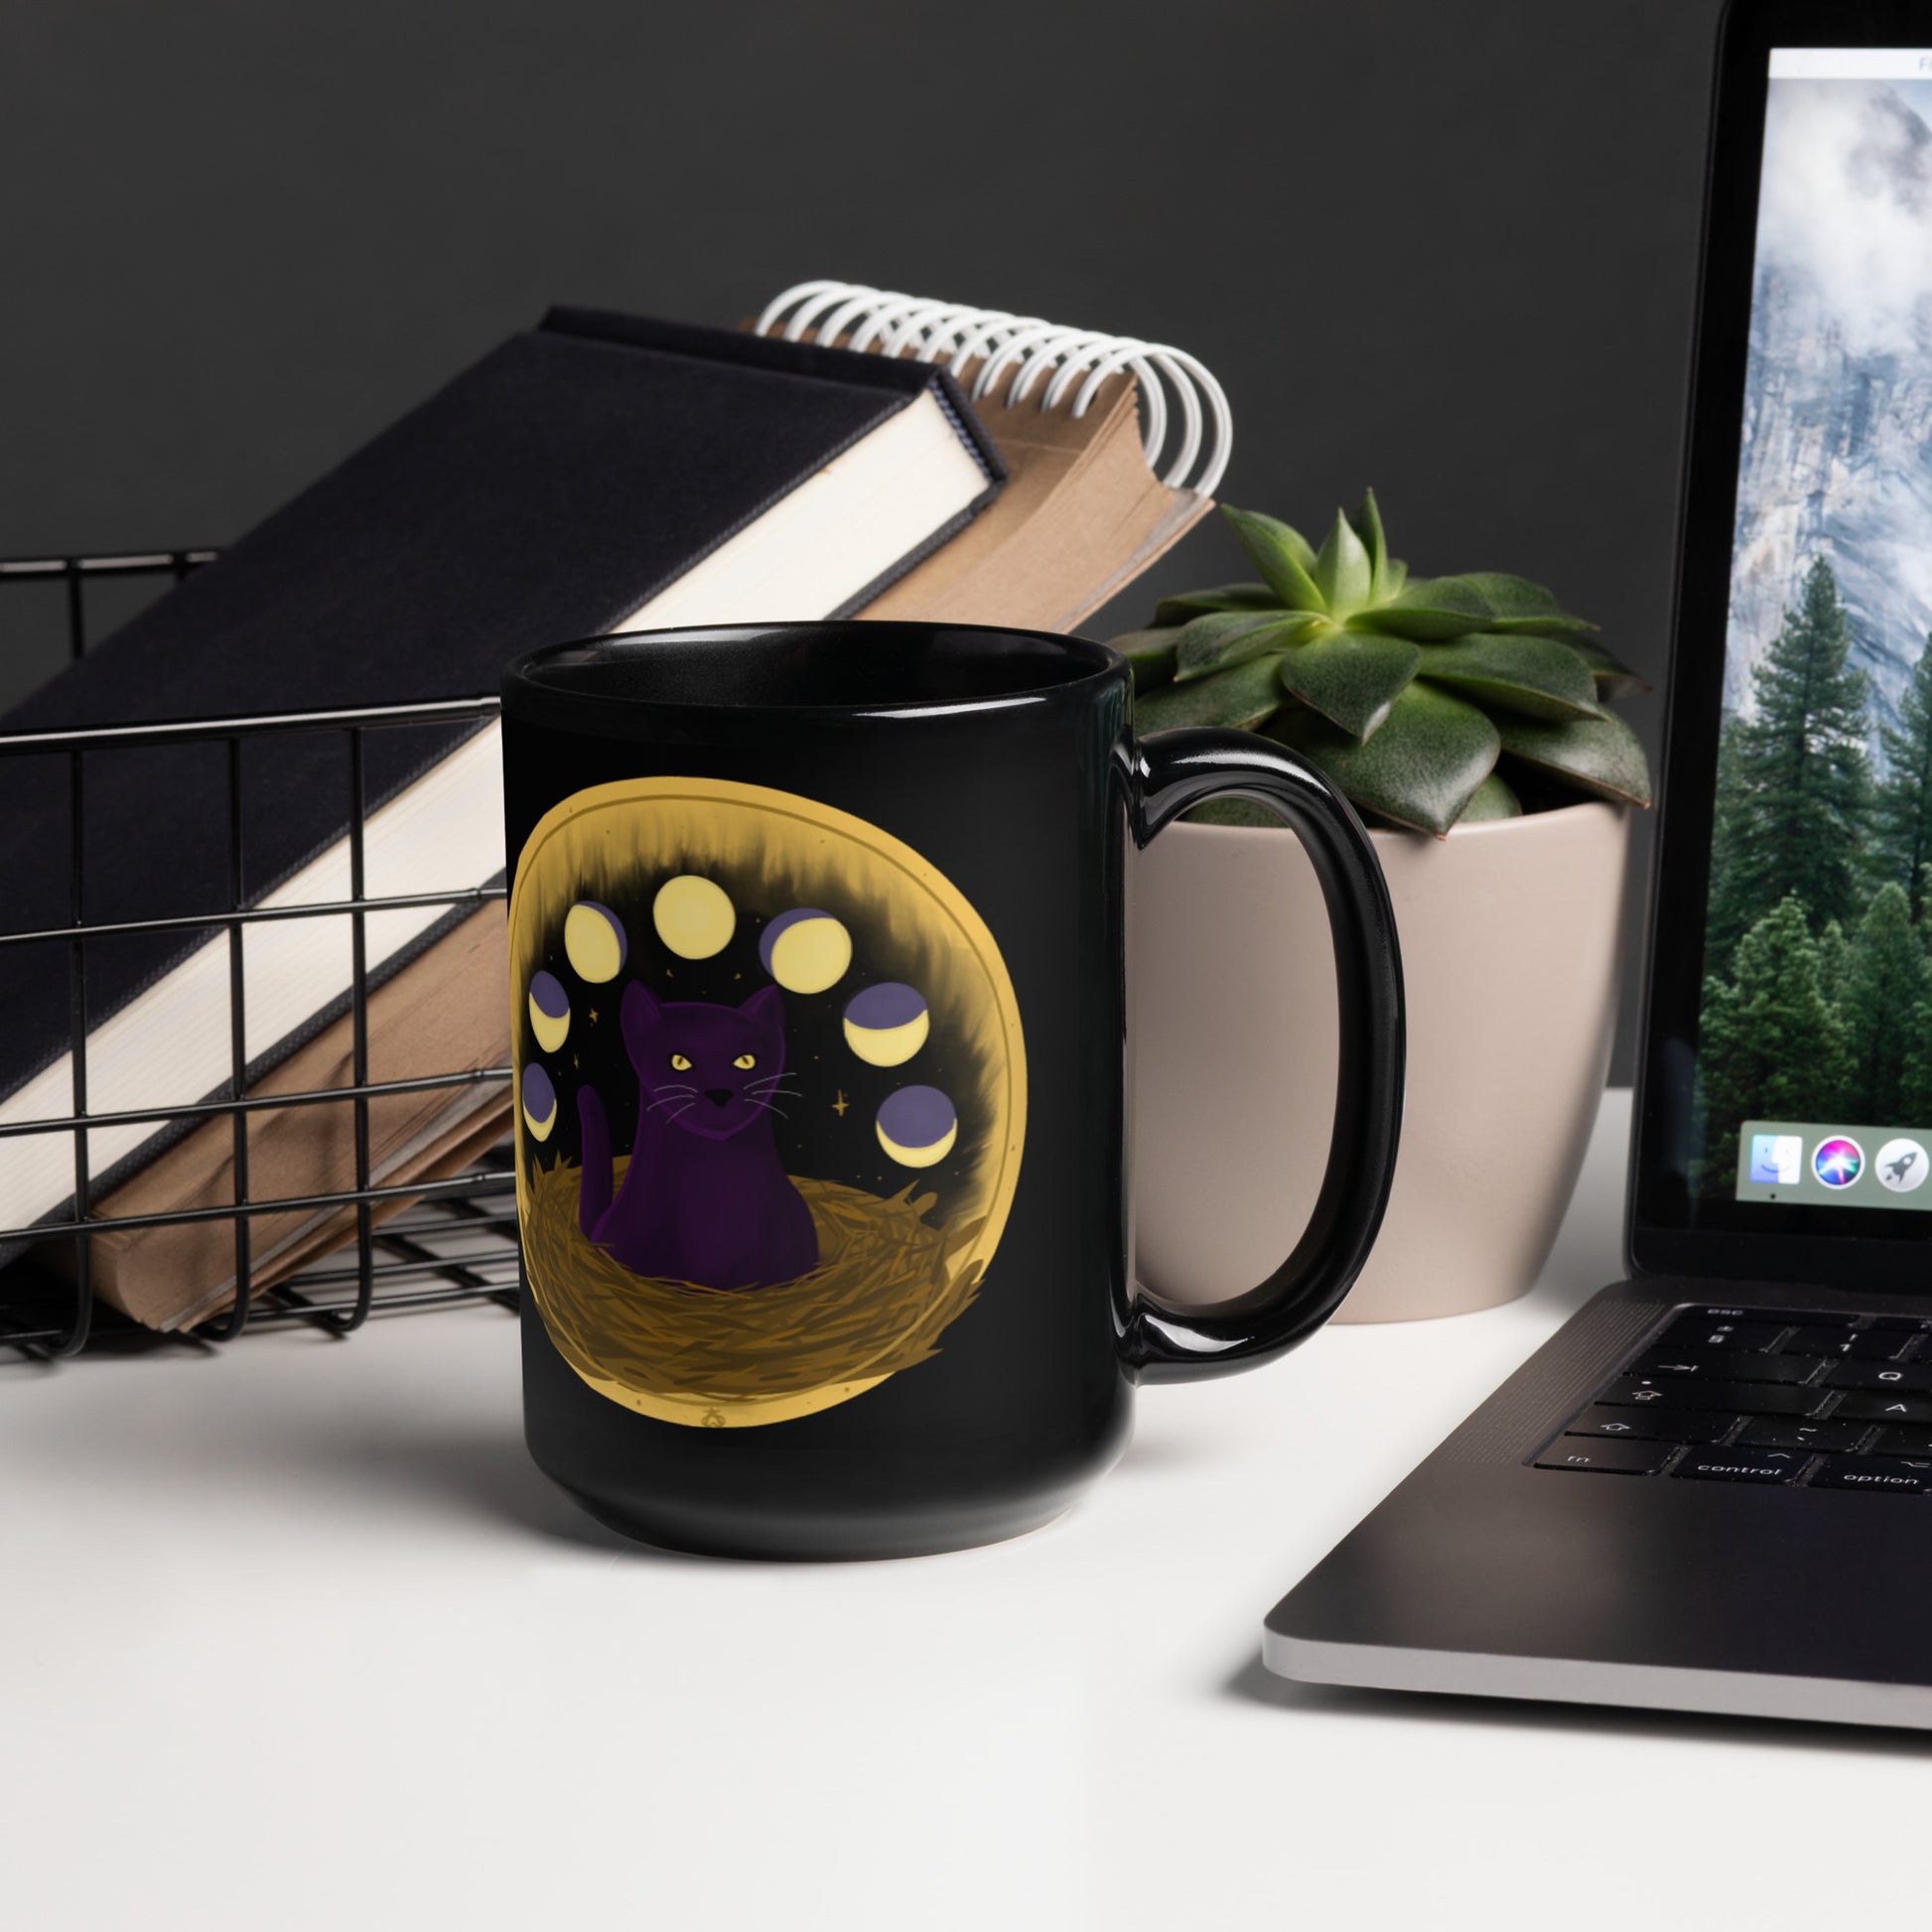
column 817, row 967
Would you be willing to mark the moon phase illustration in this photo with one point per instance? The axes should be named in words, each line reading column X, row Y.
column 917, row 1125
column 694, row 916
column 805, row 950
column 886, row 1024
column 549, row 1011
column 539, row 1101
column 593, row 942
column 695, row 954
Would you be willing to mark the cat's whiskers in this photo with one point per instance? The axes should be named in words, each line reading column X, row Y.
column 767, row 1107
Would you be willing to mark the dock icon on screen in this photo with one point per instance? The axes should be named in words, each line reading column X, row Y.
column 1776, row 1159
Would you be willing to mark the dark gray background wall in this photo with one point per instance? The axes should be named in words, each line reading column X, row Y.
column 1440, row 246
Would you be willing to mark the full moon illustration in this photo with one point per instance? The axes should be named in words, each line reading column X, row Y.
column 917, row 1125
column 549, row 1011
column 693, row 917
column 594, row 941
column 886, row 1024
column 539, row 1102
column 805, row 950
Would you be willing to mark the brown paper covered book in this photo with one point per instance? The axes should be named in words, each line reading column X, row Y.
column 447, row 1011
column 1083, row 512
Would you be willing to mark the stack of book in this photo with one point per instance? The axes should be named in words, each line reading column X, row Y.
column 853, row 452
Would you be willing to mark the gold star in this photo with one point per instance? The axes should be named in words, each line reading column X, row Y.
column 593, row 1016
column 839, row 1104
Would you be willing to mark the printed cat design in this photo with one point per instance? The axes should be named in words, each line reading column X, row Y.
column 706, row 1198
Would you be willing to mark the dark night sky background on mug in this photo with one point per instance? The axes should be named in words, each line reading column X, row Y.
column 1440, row 246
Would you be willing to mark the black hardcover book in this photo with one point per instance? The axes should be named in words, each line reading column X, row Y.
column 595, row 474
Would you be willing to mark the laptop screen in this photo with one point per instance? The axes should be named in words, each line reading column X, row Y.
column 1813, row 1082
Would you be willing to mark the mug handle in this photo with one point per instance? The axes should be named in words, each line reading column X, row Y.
column 1167, row 774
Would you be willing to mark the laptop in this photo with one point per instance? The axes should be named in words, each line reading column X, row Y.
column 1711, row 1489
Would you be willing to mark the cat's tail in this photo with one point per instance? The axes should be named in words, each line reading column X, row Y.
column 594, row 1188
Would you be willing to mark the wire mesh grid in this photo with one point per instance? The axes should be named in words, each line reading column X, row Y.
column 456, row 1244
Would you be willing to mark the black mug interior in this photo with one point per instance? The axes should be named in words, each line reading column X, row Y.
column 838, row 665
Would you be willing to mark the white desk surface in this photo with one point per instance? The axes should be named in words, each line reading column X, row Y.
column 295, row 1636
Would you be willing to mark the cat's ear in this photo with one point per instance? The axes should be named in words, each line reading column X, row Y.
column 638, row 1014
column 765, row 1008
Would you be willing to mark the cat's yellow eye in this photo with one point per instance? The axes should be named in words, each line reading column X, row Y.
column 746, row 1062
column 679, row 1064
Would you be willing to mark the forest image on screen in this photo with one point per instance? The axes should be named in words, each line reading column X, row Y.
column 1817, row 999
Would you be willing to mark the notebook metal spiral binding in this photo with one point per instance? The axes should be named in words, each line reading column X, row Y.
column 456, row 1245
column 1019, row 356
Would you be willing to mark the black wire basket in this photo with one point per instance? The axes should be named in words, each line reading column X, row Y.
column 456, row 1245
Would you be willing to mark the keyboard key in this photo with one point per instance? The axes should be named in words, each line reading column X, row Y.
column 1778, row 1434
column 1607, row 1458
column 1902, row 1442
column 1698, row 1330
column 1855, row 1344
column 1743, row 1398
column 1652, row 1424
column 1742, row 1466
column 1880, row 1407
column 1726, row 1366
column 1883, row 1474
column 1912, row 1378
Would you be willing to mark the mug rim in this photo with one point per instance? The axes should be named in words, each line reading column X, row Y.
column 529, row 685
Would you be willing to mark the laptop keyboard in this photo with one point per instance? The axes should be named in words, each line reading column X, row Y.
column 1746, row 1395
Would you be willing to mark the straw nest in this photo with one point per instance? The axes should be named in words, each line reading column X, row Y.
column 886, row 1285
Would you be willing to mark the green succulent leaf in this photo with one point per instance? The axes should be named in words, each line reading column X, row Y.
column 1351, row 678
column 1406, row 692
column 1222, row 597
column 1280, row 554
column 1368, row 527
column 1239, row 698
column 1226, row 638
column 1541, row 676
column 1515, row 603
column 1598, row 754
column 1342, row 571
column 1235, row 812
column 1421, row 768
column 1150, row 653
column 1614, row 678
column 1433, row 610
column 1490, row 799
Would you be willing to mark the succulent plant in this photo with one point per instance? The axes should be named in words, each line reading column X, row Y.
column 1429, row 702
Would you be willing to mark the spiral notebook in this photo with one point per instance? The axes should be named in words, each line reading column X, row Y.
column 1113, row 448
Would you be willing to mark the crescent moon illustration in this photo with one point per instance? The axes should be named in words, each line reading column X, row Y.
column 539, row 1102
column 886, row 1024
column 805, row 950
column 594, row 941
column 917, row 1126
column 549, row 1011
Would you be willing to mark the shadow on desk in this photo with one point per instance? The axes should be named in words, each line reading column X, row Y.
column 491, row 1479
column 1255, row 1682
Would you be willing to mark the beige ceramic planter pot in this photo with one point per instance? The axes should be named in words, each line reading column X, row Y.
column 1509, row 934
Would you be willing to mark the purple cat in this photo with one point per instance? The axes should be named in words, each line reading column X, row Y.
column 705, row 1198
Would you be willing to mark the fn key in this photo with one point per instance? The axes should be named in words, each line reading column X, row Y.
column 1605, row 1456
